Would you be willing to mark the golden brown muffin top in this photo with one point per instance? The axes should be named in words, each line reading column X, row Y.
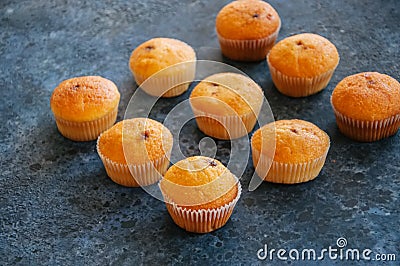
column 227, row 94
column 304, row 55
column 84, row 98
column 297, row 141
column 199, row 182
column 367, row 96
column 159, row 53
column 247, row 20
column 141, row 139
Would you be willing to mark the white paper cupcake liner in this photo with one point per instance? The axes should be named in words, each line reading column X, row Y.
column 88, row 130
column 299, row 87
column 167, row 85
column 202, row 220
column 134, row 175
column 286, row 173
column 224, row 127
column 367, row 131
column 247, row 50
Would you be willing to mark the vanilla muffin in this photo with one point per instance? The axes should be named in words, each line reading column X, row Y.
column 300, row 151
column 226, row 105
column 247, row 29
column 170, row 63
column 200, row 193
column 135, row 152
column 367, row 106
column 84, row 107
column 302, row 64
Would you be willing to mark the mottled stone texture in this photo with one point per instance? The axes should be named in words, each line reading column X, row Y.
column 57, row 205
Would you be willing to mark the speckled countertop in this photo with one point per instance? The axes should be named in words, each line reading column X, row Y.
column 57, row 205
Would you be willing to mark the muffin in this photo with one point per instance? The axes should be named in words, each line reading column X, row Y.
column 300, row 151
column 247, row 29
column 155, row 55
column 135, row 152
column 200, row 193
column 302, row 64
column 84, row 107
column 367, row 106
column 226, row 105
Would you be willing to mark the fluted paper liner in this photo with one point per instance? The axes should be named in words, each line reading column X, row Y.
column 162, row 85
column 247, row 50
column 134, row 175
column 87, row 130
column 367, row 131
column 296, row 86
column 286, row 173
column 224, row 127
column 202, row 220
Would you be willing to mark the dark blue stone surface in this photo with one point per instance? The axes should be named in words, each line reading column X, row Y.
column 57, row 205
